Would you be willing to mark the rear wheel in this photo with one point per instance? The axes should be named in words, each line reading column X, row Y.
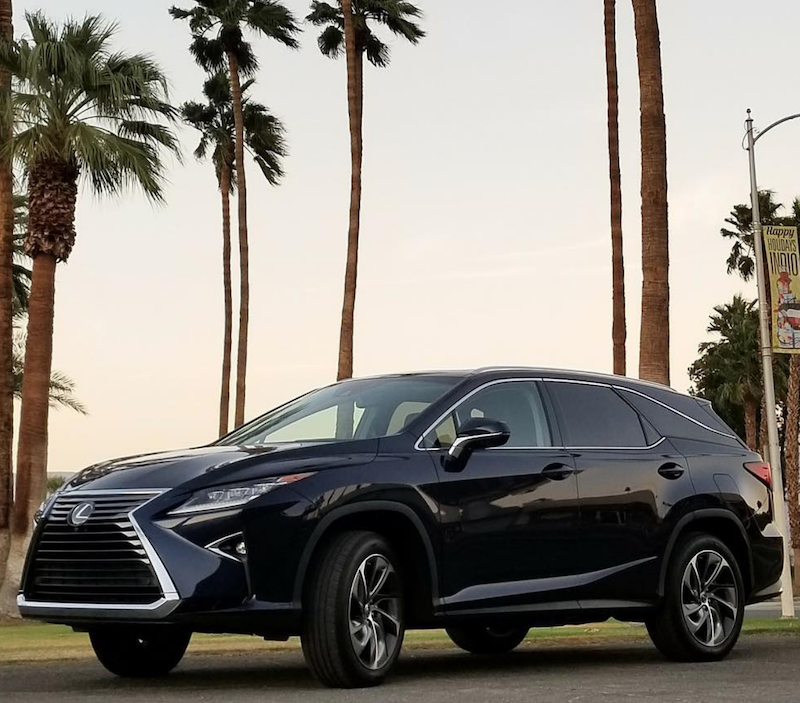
column 354, row 612
column 133, row 654
column 487, row 639
column 703, row 609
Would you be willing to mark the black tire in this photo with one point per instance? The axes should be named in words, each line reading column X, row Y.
column 328, row 645
column 487, row 639
column 668, row 627
column 132, row 654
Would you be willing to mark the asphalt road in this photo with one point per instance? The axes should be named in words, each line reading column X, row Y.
column 761, row 670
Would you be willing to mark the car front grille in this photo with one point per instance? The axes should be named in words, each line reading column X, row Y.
column 102, row 561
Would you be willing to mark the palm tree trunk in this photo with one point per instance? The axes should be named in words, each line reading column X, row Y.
column 654, row 343
column 750, row 424
column 32, row 451
column 763, row 437
column 244, row 248
column 354, row 104
column 791, row 470
column 6, row 298
column 619, row 332
column 225, row 393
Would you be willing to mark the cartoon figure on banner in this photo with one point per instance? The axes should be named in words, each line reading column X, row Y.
column 788, row 312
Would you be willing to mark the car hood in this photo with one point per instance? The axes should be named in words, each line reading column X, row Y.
column 218, row 464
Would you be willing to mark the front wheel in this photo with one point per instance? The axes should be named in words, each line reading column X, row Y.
column 703, row 609
column 133, row 654
column 492, row 639
column 354, row 625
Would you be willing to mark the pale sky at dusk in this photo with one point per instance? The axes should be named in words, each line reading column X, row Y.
column 485, row 235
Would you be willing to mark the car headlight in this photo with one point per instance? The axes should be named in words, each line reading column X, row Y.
column 44, row 507
column 225, row 497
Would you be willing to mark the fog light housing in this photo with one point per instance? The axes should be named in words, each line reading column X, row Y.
column 231, row 547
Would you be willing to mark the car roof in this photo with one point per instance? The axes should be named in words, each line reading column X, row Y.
column 491, row 372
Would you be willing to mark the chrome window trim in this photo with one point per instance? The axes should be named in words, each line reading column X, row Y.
column 542, row 379
column 169, row 596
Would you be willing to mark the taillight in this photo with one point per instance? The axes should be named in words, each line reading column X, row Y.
column 762, row 471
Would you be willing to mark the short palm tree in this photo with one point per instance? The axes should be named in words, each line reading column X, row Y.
column 218, row 41
column 654, row 364
column 349, row 29
column 83, row 112
column 728, row 372
column 740, row 230
column 264, row 137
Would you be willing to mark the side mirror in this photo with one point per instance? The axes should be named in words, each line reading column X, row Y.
column 475, row 434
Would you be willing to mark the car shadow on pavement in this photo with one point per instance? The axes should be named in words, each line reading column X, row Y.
column 203, row 672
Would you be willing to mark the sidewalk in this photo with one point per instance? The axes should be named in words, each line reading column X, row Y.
column 769, row 610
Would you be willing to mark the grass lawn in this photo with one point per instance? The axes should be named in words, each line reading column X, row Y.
column 26, row 642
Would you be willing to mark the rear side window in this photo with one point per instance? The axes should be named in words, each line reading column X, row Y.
column 595, row 416
column 671, row 424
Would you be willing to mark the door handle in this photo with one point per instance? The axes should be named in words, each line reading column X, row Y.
column 671, row 471
column 557, row 472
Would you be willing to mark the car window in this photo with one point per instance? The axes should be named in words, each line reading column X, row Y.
column 671, row 424
column 517, row 403
column 404, row 415
column 595, row 416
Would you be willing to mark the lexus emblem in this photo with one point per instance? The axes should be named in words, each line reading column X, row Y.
column 80, row 514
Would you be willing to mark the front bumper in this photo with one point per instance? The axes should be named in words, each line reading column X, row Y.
column 200, row 587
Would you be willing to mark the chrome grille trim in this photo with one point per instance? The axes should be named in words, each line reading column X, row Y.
column 128, row 527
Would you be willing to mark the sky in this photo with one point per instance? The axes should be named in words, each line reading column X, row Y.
column 485, row 228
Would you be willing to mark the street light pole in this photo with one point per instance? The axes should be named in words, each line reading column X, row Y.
column 781, row 516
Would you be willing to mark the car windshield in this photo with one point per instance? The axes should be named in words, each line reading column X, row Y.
column 364, row 409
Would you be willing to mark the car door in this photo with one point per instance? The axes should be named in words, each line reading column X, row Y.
column 628, row 478
column 510, row 517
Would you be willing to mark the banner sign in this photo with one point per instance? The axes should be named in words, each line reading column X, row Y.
column 783, row 263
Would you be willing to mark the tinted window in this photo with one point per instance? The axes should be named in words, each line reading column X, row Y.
column 595, row 416
column 670, row 424
column 518, row 404
column 362, row 409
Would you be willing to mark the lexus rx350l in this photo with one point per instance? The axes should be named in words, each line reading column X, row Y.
column 484, row 502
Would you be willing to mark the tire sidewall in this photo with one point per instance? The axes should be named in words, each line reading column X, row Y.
column 685, row 554
column 374, row 544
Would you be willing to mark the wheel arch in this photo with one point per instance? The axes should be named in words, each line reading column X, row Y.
column 393, row 521
column 719, row 523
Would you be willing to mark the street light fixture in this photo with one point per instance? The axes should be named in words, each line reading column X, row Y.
column 787, row 600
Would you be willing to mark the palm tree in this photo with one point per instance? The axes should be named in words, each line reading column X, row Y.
column 619, row 332
column 218, row 41
column 62, row 387
column 654, row 344
column 740, row 231
column 6, row 294
column 348, row 29
column 728, row 372
column 264, row 137
column 83, row 113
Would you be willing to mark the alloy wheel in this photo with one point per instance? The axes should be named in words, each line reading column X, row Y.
column 374, row 612
column 709, row 598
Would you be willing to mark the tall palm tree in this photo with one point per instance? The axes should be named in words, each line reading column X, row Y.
column 218, row 41
column 619, row 332
column 728, row 372
column 6, row 294
column 83, row 113
column 264, row 137
column 655, row 335
column 349, row 29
